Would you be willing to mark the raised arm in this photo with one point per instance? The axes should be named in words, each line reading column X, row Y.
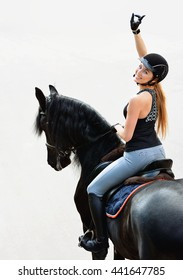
column 139, row 42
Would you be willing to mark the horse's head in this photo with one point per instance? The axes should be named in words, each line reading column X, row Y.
column 71, row 125
column 57, row 157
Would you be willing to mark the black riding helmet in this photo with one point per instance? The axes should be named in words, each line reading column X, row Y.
column 157, row 64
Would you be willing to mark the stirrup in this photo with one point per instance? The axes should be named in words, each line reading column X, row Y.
column 88, row 235
column 94, row 245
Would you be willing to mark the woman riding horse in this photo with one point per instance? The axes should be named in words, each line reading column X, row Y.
column 143, row 146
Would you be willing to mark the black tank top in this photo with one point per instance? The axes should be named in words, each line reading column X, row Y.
column 144, row 134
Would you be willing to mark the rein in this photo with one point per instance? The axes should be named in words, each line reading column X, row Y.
column 66, row 152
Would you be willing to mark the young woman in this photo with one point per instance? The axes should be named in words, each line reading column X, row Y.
column 144, row 114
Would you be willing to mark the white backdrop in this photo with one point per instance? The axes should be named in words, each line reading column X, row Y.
column 86, row 49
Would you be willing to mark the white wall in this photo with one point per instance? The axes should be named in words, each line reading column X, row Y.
column 86, row 49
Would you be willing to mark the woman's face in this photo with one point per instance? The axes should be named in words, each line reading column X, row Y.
column 142, row 75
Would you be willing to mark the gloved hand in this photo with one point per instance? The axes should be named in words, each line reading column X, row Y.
column 135, row 23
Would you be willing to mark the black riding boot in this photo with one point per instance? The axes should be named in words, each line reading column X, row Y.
column 97, row 208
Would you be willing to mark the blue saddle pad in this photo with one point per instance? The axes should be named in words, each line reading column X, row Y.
column 116, row 201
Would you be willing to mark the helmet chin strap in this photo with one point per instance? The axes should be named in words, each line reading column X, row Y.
column 148, row 83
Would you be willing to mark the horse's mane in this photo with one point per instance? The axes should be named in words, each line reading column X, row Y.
column 72, row 121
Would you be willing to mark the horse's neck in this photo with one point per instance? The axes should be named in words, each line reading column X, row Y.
column 88, row 161
column 91, row 155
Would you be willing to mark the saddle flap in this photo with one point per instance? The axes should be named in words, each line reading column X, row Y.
column 101, row 166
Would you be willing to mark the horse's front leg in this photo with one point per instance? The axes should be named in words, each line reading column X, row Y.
column 82, row 206
column 100, row 255
column 117, row 255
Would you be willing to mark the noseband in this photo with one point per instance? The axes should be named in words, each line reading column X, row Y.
column 60, row 153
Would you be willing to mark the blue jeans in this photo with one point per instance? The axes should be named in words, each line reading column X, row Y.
column 124, row 167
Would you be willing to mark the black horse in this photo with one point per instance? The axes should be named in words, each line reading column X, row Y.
column 151, row 223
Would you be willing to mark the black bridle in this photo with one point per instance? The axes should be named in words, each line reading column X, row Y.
column 66, row 153
column 60, row 152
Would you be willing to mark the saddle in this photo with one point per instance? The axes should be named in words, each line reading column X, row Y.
column 159, row 169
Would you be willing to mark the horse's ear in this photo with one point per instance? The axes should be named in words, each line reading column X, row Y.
column 53, row 90
column 41, row 98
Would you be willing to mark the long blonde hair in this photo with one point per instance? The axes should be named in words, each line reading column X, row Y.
column 162, row 121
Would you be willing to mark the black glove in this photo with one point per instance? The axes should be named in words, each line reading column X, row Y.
column 135, row 23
